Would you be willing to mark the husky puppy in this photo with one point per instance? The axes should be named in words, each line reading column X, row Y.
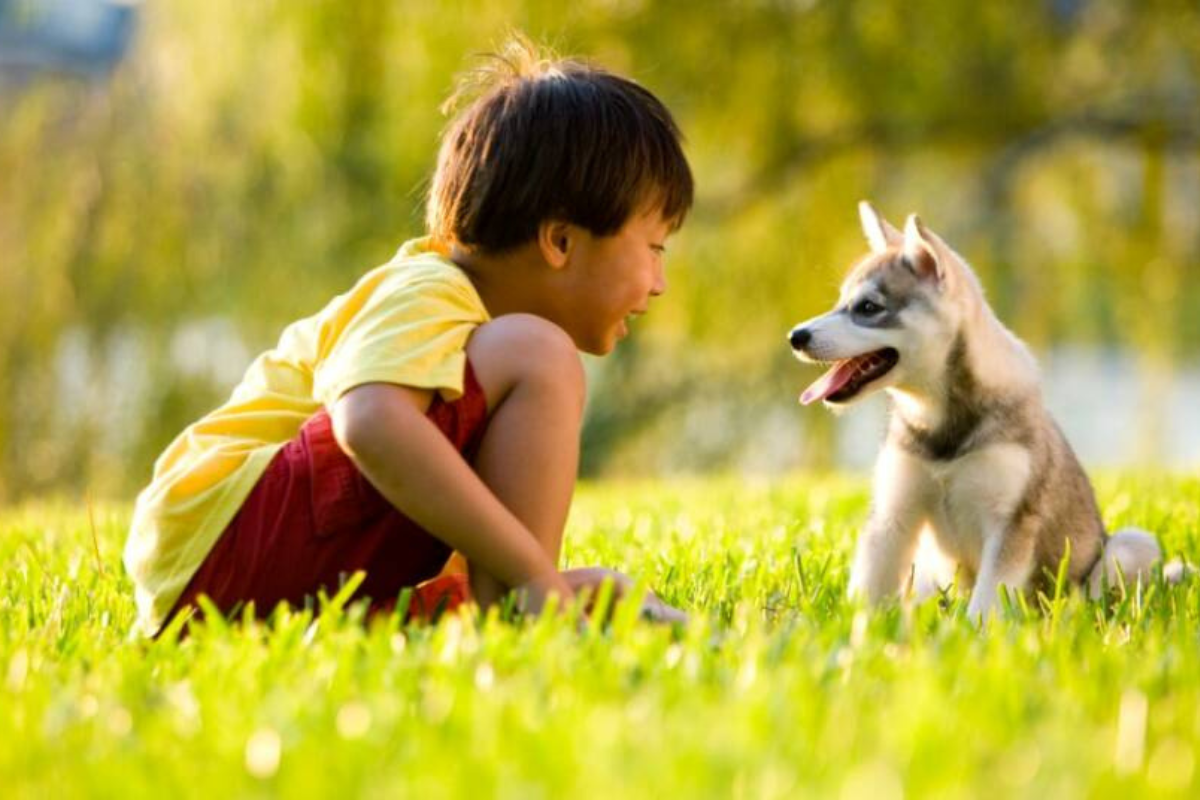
column 972, row 459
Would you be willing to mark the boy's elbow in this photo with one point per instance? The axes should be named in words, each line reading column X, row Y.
column 349, row 422
column 357, row 417
column 368, row 416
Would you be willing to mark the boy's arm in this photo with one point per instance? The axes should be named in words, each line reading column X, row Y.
column 383, row 428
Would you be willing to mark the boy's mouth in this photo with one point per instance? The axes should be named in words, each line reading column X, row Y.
column 847, row 377
column 628, row 320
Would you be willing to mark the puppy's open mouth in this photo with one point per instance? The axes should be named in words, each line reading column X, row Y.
column 848, row 377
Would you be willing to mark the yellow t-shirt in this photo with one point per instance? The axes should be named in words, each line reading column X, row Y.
column 406, row 322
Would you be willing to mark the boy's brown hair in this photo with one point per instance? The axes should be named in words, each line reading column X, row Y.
column 553, row 139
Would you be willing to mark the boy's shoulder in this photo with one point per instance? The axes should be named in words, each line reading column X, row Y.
column 421, row 260
column 419, row 267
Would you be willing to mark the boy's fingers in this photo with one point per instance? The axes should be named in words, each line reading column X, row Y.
column 586, row 582
column 593, row 577
column 655, row 610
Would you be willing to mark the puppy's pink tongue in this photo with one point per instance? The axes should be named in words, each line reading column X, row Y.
column 831, row 381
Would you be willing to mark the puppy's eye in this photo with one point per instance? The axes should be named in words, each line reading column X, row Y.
column 867, row 308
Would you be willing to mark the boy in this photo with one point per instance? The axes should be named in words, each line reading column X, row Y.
column 436, row 406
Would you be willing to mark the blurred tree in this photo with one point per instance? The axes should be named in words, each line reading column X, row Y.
column 248, row 161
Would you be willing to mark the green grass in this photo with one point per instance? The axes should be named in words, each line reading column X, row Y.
column 779, row 687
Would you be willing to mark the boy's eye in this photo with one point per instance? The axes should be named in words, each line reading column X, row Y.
column 867, row 308
column 660, row 249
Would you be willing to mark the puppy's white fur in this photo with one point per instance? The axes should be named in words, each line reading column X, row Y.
column 972, row 460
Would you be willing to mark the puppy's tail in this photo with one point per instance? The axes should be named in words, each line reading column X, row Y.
column 1130, row 555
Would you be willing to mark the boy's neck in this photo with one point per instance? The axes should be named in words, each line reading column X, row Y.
column 511, row 282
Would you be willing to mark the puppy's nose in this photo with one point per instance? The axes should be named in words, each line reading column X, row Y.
column 799, row 337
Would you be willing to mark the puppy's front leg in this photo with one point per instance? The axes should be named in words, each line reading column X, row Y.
column 887, row 545
column 1007, row 560
column 883, row 559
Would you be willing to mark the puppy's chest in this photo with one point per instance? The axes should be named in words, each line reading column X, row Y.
column 976, row 496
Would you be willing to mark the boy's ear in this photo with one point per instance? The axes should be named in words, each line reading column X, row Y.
column 556, row 239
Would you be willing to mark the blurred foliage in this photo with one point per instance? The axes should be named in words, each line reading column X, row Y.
column 248, row 160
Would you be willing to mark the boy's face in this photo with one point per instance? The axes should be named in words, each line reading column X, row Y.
column 612, row 278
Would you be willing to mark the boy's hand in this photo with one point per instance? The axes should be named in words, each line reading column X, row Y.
column 591, row 578
column 532, row 596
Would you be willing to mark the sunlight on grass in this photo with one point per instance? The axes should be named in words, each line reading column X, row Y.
column 777, row 688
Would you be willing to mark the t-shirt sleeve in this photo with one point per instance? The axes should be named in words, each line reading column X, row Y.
column 413, row 334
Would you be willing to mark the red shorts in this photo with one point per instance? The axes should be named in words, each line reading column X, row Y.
column 313, row 520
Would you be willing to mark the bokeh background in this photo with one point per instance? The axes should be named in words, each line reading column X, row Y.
column 181, row 179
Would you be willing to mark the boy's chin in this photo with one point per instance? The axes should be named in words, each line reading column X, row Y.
column 599, row 346
column 600, row 350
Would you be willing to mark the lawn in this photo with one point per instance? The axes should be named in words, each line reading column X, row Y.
column 778, row 687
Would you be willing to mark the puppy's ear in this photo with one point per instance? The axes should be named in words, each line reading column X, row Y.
column 920, row 253
column 879, row 232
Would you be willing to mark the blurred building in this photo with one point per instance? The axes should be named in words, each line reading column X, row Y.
column 87, row 37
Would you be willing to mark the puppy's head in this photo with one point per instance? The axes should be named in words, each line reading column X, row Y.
column 894, row 321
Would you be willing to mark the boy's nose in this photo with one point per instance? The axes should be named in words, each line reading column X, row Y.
column 799, row 337
column 660, row 285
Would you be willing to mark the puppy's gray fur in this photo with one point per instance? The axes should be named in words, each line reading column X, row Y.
column 972, row 459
